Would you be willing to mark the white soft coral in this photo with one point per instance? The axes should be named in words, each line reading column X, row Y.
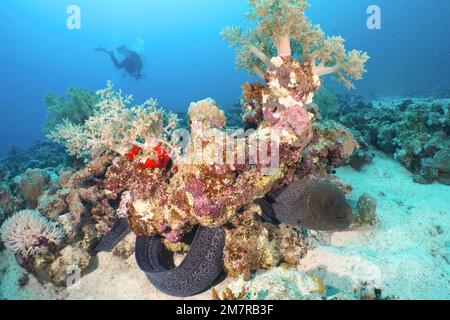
column 115, row 126
column 29, row 233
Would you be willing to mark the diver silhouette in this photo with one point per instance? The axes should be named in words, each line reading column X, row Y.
column 132, row 63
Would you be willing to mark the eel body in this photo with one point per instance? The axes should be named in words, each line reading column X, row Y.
column 118, row 232
column 202, row 265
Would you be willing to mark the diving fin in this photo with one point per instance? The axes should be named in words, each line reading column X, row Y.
column 100, row 49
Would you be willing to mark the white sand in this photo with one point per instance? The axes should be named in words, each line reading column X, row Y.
column 406, row 254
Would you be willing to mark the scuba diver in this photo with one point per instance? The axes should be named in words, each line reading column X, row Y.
column 132, row 63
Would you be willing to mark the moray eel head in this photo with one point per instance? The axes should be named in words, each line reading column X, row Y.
column 315, row 205
column 327, row 209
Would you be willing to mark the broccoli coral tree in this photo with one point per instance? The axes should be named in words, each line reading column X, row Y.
column 283, row 30
column 114, row 126
column 75, row 107
column 28, row 233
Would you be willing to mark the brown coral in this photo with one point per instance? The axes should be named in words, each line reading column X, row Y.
column 253, row 91
column 31, row 185
column 252, row 244
column 72, row 260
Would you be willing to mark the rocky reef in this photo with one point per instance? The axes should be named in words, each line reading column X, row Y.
column 40, row 155
column 414, row 131
column 140, row 165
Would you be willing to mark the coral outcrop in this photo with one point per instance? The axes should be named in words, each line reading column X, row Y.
column 169, row 183
column 252, row 244
column 40, row 155
column 64, row 200
column 137, row 163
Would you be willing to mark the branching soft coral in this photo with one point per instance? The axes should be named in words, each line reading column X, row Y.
column 75, row 107
column 116, row 127
column 283, row 30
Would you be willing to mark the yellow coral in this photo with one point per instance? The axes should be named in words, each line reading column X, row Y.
column 206, row 110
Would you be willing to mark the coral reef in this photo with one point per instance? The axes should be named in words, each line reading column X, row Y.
column 198, row 185
column 253, row 244
column 414, row 131
column 9, row 201
column 139, row 165
column 40, row 155
column 114, row 126
column 31, row 185
column 62, row 197
column 161, row 198
column 332, row 145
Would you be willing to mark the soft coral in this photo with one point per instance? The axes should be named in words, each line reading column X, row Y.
column 161, row 161
column 134, row 151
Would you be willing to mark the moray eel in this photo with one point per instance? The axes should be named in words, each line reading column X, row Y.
column 316, row 205
column 118, row 232
column 202, row 265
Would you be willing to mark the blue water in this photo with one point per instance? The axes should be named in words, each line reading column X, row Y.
column 186, row 59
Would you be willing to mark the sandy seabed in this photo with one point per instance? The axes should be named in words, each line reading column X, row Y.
column 406, row 253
